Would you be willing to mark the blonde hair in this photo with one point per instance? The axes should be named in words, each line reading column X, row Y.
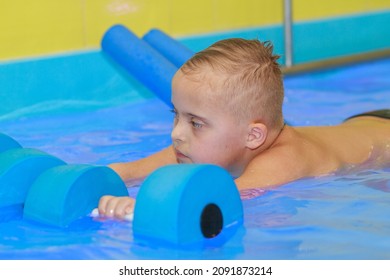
column 251, row 78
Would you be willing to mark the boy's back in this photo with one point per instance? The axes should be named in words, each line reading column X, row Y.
column 313, row 151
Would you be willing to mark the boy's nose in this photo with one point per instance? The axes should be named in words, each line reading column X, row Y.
column 177, row 133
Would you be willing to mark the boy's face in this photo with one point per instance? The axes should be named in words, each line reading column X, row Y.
column 204, row 130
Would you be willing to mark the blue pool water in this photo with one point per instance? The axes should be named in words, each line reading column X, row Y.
column 340, row 216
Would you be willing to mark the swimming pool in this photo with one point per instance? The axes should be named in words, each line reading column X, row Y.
column 340, row 216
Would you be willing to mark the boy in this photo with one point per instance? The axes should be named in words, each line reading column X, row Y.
column 228, row 111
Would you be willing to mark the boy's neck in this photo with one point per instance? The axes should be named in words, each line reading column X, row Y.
column 273, row 138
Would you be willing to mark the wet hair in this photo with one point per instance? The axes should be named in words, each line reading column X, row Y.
column 251, row 83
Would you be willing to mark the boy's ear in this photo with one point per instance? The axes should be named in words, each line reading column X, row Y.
column 257, row 134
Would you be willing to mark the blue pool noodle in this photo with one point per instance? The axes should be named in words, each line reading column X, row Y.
column 140, row 60
column 170, row 48
column 171, row 200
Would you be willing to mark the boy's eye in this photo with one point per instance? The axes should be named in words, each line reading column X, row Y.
column 196, row 124
column 173, row 111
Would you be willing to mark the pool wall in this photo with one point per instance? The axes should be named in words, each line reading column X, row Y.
column 41, row 27
column 46, row 45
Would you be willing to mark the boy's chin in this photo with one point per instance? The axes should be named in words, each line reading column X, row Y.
column 183, row 160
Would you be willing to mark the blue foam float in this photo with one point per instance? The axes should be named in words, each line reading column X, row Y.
column 19, row 168
column 170, row 48
column 66, row 193
column 186, row 203
column 7, row 143
column 140, row 60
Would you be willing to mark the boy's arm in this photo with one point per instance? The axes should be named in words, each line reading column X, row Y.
column 119, row 207
column 141, row 168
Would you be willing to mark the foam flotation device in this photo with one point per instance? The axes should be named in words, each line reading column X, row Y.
column 48, row 190
column 170, row 48
column 177, row 204
column 140, row 60
column 187, row 203
column 152, row 60
column 19, row 168
column 65, row 193
column 7, row 142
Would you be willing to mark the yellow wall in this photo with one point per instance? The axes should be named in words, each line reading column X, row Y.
column 309, row 10
column 31, row 28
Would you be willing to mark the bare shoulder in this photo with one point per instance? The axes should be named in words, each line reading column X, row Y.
column 269, row 171
column 281, row 163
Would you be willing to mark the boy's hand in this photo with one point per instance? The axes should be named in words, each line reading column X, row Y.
column 116, row 206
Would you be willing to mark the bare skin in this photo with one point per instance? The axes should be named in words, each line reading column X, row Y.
column 314, row 151
column 258, row 156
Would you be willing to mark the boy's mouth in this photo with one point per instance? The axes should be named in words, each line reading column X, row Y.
column 180, row 156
